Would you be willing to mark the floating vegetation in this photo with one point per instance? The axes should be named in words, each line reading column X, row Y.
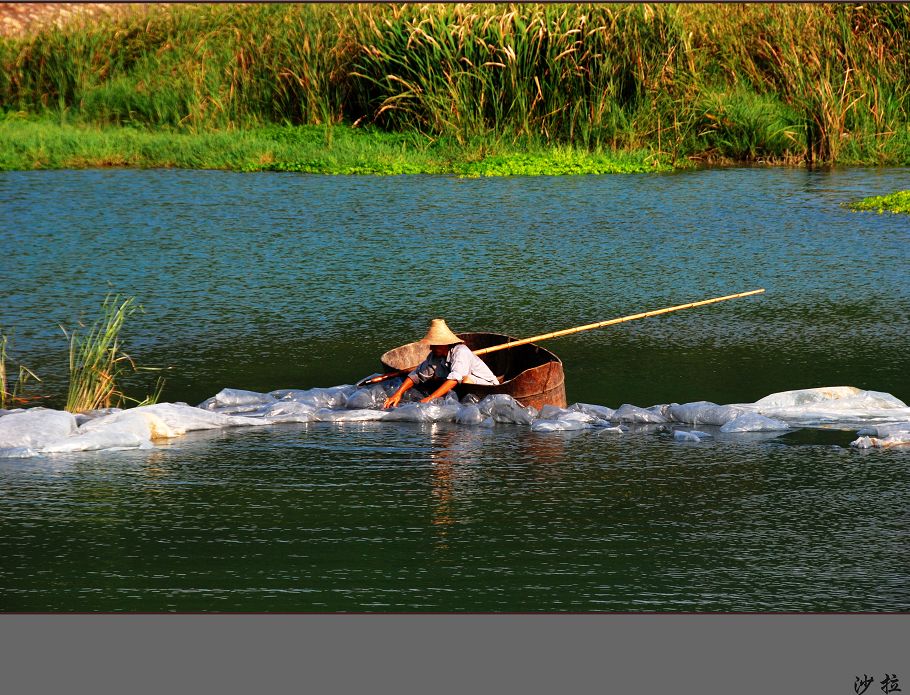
column 560, row 162
column 896, row 202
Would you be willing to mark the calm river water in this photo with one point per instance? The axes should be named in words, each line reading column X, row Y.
column 270, row 281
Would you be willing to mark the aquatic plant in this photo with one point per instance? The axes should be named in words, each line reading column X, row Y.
column 559, row 161
column 4, row 390
column 898, row 202
column 97, row 362
column 11, row 393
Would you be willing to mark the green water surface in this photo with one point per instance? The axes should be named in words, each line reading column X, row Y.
column 267, row 281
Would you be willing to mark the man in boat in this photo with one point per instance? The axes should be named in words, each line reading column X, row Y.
column 450, row 361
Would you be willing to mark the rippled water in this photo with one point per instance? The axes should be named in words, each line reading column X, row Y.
column 273, row 281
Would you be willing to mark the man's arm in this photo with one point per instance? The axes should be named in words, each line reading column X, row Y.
column 392, row 400
column 447, row 386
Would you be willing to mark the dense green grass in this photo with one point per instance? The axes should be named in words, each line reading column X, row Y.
column 896, row 202
column 518, row 87
column 332, row 149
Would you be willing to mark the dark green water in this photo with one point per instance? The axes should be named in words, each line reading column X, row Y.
column 282, row 281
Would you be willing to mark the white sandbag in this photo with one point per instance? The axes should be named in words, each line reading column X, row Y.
column 18, row 452
column 543, row 426
column 552, row 412
column 634, row 414
column 355, row 415
column 289, row 411
column 662, row 410
column 831, row 405
column 53, row 431
column 890, row 430
column 181, row 418
column 110, row 438
column 120, row 429
column 451, row 398
column 468, row 415
column 505, row 409
column 137, row 422
column 682, row 436
column 35, row 427
column 289, row 394
column 878, row 400
column 425, row 412
column 82, row 418
column 881, row 443
column 586, row 418
column 598, row 411
column 332, row 397
column 487, row 403
column 568, row 422
column 864, row 442
column 372, row 397
column 513, row 413
column 237, row 401
column 611, row 430
column 704, row 413
column 827, row 394
column 753, row 422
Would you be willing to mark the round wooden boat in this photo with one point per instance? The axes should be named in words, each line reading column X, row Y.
column 529, row 373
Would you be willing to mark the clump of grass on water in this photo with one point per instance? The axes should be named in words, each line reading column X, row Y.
column 98, row 364
column 896, row 202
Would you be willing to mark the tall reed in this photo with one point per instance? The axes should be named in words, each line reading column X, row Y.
column 5, row 394
column 4, row 390
column 97, row 362
column 843, row 71
column 11, row 393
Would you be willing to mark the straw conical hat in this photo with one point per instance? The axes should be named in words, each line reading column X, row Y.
column 439, row 334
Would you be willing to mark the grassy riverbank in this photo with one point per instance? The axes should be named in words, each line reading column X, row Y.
column 470, row 89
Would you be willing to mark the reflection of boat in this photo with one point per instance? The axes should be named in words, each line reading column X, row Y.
column 529, row 373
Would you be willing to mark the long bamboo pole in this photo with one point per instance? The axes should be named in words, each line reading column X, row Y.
column 612, row 322
column 577, row 329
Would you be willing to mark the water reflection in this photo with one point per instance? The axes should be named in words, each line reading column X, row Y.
column 446, row 463
column 458, row 458
column 156, row 467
